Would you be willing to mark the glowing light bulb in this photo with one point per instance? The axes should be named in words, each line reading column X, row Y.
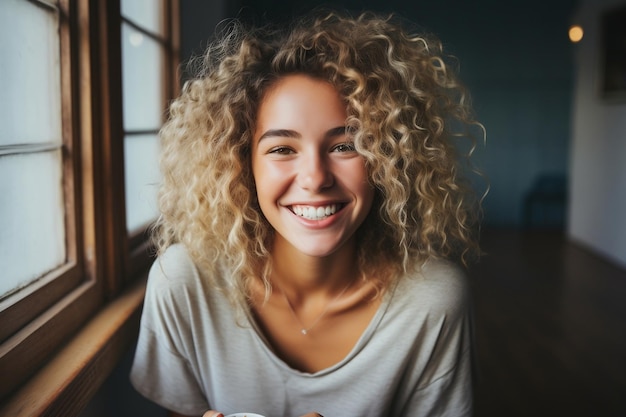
column 576, row 33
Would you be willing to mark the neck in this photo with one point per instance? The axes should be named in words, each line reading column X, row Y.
column 298, row 274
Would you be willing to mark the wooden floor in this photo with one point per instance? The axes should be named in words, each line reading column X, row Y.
column 550, row 328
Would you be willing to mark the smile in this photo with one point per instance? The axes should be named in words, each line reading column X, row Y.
column 316, row 213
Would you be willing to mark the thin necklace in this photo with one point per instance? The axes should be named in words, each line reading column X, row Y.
column 305, row 330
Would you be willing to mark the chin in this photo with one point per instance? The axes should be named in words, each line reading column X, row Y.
column 318, row 251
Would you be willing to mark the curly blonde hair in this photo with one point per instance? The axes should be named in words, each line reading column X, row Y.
column 405, row 106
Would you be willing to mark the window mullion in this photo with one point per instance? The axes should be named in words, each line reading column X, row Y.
column 151, row 35
column 45, row 4
column 29, row 148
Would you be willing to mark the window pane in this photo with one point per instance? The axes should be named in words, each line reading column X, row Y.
column 142, row 177
column 30, row 110
column 142, row 66
column 32, row 232
column 145, row 13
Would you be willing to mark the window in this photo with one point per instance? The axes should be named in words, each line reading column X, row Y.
column 143, row 58
column 30, row 153
column 84, row 91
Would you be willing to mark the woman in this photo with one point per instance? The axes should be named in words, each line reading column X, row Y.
column 313, row 223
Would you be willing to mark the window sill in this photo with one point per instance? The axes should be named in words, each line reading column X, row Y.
column 64, row 386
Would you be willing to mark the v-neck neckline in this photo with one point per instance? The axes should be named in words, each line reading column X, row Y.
column 362, row 341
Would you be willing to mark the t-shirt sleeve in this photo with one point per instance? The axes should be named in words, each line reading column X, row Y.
column 448, row 396
column 445, row 386
column 160, row 369
column 164, row 377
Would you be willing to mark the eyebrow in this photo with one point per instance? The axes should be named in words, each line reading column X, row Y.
column 286, row 133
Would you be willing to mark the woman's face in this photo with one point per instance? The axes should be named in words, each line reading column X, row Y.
column 311, row 184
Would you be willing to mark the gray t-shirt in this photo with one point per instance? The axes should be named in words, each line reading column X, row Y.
column 414, row 358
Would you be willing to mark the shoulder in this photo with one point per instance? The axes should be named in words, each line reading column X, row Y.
column 173, row 270
column 177, row 290
column 444, row 274
column 173, row 262
column 437, row 285
column 174, row 275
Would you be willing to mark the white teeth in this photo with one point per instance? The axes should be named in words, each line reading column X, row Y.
column 315, row 213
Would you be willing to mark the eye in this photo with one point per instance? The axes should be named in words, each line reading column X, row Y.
column 344, row 147
column 281, row 150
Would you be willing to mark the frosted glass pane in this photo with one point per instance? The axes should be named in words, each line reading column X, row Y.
column 142, row 66
column 30, row 107
column 145, row 13
column 32, row 230
column 142, row 177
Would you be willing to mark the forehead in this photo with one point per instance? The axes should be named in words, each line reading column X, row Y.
column 300, row 101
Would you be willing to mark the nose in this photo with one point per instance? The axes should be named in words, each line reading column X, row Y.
column 314, row 173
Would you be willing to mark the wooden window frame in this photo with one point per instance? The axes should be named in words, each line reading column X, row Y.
column 68, row 327
column 56, row 305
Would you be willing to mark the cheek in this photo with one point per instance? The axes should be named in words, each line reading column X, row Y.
column 354, row 178
column 368, row 193
column 265, row 170
column 270, row 181
column 358, row 176
column 367, row 190
column 260, row 174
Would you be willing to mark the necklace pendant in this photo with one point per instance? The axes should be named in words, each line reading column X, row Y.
column 304, row 330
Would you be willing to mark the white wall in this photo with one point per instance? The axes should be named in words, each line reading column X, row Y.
column 597, row 216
